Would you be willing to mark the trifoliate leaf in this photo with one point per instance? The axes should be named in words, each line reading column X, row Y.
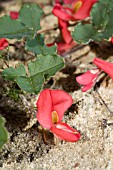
column 25, row 26
column 39, row 71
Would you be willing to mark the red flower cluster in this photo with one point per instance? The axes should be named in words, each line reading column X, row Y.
column 51, row 107
column 80, row 9
column 89, row 78
column 3, row 43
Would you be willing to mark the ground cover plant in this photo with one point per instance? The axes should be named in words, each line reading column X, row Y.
column 80, row 22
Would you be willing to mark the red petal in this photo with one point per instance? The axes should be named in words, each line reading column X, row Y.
column 66, row 35
column 111, row 39
column 68, row 1
column 63, row 47
column 63, row 13
column 61, row 101
column 105, row 66
column 14, row 15
column 87, row 77
column 63, row 25
column 51, row 44
column 85, row 9
column 49, row 101
column 3, row 43
column 44, row 105
column 64, row 132
column 87, row 87
column 57, row 1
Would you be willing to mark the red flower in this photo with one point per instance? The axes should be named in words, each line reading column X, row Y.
column 51, row 107
column 80, row 9
column 3, row 43
column 111, row 39
column 14, row 15
column 67, row 42
column 105, row 66
column 88, row 79
column 63, row 47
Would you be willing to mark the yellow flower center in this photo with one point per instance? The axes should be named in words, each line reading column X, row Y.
column 77, row 6
column 55, row 117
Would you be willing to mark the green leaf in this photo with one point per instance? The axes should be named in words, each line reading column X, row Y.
column 84, row 33
column 30, row 15
column 38, row 47
column 13, row 28
column 32, row 84
column 101, row 26
column 3, row 132
column 11, row 73
column 39, row 71
column 26, row 26
column 48, row 65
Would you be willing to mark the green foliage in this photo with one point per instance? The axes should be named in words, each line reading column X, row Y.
column 39, row 71
column 26, row 26
column 3, row 132
column 12, row 74
column 30, row 15
column 101, row 26
column 47, row 62
column 38, row 47
column 1, row 56
column 13, row 28
column 13, row 92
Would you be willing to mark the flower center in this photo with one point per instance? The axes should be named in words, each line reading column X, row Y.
column 55, row 117
column 77, row 6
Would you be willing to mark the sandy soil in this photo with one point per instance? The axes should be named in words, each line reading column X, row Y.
column 26, row 149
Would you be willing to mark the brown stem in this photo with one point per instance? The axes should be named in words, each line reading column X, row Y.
column 72, row 50
column 47, row 29
column 5, row 63
column 44, row 136
column 103, row 102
